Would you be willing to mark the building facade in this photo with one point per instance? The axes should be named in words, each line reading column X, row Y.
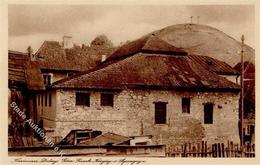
column 147, row 87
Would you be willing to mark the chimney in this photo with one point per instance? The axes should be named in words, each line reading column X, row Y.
column 103, row 58
column 67, row 42
column 30, row 53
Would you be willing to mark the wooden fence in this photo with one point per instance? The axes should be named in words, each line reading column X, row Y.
column 215, row 150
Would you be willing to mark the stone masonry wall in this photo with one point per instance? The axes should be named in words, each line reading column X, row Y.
column 133, row 113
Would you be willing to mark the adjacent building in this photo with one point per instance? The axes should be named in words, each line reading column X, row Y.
column 24, row 81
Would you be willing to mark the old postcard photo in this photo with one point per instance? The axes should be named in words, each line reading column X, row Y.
column 127, row 83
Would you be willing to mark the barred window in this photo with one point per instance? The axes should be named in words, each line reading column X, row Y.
column 83, row 99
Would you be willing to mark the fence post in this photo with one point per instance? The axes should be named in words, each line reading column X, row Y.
column 194, row 151
column 198, row 149
column 223, row 150
column 189, row 150
column 213, row 150
column 206, row 149
column 184, row 151
column 232, row 149
column 202, row 149
column 227, row 149
column 219, row 150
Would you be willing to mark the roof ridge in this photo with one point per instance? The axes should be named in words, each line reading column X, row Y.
column 149, row 43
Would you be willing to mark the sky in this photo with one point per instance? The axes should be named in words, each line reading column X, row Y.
column 34, row 24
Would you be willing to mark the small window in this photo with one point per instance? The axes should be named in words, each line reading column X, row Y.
column 160, row 113
column 47, row 79
column 49, row 99
column 46, row 99
column 107, row 99
column 41, row 99
column 83, row 99
column 185, row 105
column 70, row 74
column 208, row 113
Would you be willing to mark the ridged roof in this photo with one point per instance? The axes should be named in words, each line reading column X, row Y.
column 214, row 65
column 53, row 56
column 147, row 70
column 146, row 44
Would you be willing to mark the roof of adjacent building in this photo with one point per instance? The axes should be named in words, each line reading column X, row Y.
column 160, row 67
column 106, row 139
column 16, row 63
column 53, row 56
column 249, row 69
column 23, row 71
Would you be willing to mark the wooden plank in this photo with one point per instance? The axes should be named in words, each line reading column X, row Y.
column 213, row 150
column 198, row 150
column 194, row 151
column 206, row 149
column 232, row 149
column 223, row 150
column 24, row 139
column 227, row 149
column 218, row 150
column 184, row 151
column 189, row 149
column 10, row 141
column 20, row 141
column 202, row 149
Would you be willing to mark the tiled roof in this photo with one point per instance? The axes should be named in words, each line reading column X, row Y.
column 214, row 65
column 23, row 71
column 152, row 63
column 249, row 69
column 150, row 71
column 146, row 44
column 106, row 139
column 53, row 56
column 152, row 44
column 16, row 63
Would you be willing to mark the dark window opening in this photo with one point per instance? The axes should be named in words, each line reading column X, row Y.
column 46, row 99
column 41, row 99
column 49, row 99
column 250, row 129
column 208, row 113
column 47, row 79
column 107, row 99
column 160, row 113
column 83, row 99
column 185, row 105
column 70, row 74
